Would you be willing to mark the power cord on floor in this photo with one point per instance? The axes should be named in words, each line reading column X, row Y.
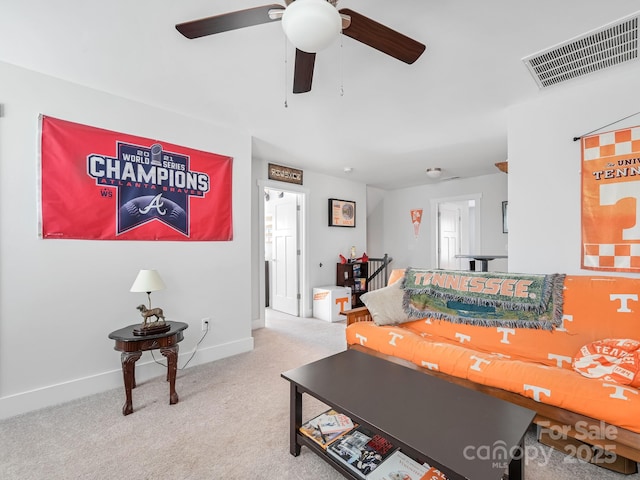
column 192, row 355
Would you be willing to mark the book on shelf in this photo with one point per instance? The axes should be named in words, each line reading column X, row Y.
column 312, row 430
column 433, row 474
column 334, row 423
column 361, row 450
column 399, row 466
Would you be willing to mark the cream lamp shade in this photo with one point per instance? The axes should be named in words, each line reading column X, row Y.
column 147, row 281
column 311, row 25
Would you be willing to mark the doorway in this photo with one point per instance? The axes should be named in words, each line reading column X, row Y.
column 455, row 227
column 282, row 250
column 283, row 227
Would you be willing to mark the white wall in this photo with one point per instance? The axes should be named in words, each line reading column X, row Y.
column 409, row 251
column 375, row 222
column 59, row 299
column 545, row 163
column 327, row 243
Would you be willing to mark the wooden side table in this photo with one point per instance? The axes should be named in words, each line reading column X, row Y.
column 132, row 347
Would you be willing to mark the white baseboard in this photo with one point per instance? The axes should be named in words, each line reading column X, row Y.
column 36, row 399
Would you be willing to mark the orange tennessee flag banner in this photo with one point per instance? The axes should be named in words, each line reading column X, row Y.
column 611, row 201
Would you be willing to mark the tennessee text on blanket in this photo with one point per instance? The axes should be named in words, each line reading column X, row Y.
column 502, row 299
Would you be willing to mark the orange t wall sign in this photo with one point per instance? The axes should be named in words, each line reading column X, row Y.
column 611, row 201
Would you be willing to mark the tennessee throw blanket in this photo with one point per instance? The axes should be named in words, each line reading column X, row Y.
column 500, row 299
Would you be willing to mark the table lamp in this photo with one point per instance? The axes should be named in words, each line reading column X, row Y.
column 149, row 281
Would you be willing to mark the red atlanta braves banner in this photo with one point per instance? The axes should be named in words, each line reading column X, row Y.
column 103, row 185
column 611, row 201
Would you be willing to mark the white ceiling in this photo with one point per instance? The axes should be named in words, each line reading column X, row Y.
column 448, row 110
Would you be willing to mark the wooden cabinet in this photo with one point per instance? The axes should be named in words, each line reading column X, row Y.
column 353, row 275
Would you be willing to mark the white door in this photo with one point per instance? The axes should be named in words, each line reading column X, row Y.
column 453, row 236
column 449, row 216
column 284, row 277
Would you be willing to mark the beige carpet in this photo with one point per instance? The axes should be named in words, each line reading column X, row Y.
column 231, row 423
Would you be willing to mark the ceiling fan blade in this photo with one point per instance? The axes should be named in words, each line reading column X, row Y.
column 303, row 71
column 382, row 38
column 227, row 21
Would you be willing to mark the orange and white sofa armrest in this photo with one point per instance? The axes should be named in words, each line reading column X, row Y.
column 359, row 314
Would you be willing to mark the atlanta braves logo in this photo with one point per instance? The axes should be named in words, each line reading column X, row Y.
column 151, row 184
column 156, row 203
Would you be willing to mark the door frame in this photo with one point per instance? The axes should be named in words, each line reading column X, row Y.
column 303, row 194
column 435, row 224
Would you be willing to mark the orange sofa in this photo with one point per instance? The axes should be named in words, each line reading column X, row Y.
column 530, row 367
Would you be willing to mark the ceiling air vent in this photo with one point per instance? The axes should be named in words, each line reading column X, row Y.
column 598, row 49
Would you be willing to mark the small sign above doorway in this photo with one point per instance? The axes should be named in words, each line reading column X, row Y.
column 285, row 174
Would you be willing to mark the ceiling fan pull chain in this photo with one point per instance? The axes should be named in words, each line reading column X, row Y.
column 286, row 92
column 341, row 60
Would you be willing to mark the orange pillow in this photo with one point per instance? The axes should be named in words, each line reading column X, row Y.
column 395, row 275
column 614, row 360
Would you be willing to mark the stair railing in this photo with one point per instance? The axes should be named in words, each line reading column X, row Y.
column 378, row 272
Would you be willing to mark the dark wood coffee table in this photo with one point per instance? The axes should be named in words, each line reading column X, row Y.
column 463, row 433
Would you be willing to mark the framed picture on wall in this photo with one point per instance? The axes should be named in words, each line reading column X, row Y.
column 505, row 226
column 342, row 213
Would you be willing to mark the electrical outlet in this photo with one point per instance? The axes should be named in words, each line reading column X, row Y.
column 205, row 324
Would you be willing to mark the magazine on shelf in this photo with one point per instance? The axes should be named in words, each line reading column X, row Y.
column 399, row 467
column 311, row 429
column 334, row 423
column 361, row 451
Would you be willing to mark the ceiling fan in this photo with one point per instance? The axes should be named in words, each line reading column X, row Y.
column 310, row 25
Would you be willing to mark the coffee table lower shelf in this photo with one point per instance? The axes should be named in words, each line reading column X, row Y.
column 313, row 446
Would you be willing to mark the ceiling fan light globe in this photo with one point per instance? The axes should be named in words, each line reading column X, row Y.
column 311, row 25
